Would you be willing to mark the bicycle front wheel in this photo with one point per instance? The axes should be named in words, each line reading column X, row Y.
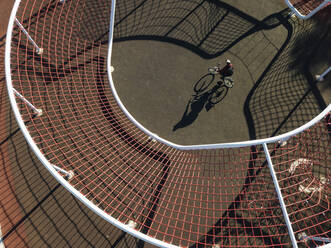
column 203, row 83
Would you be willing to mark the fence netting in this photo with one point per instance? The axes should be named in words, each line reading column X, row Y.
column 304, row 7
column 203, row 198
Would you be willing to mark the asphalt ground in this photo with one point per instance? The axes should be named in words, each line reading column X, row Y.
column 157, row 76
column 156, row 80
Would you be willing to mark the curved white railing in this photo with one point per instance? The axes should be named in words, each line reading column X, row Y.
column 264, row 142
column 80, row 196
column 311, row 13
column 43, row 159
column 284, row 136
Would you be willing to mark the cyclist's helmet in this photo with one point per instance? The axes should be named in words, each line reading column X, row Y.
column 228, row 61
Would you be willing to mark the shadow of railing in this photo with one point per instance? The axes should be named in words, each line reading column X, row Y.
column 280, row 86
column 287, row 87
column 208, row 28
column 35, row 211
column 283, row 98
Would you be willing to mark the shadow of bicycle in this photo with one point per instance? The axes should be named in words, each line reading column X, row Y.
column 206, row 95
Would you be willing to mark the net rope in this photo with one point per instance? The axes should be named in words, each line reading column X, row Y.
column 305, row 7
column 204, row 198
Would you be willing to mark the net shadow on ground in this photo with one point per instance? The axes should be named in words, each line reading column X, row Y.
column 225, row 225
column 296, row 92
column 286, row 96
column 35, row 210
column 207, row 27
column 196, row 48
column 255, row 96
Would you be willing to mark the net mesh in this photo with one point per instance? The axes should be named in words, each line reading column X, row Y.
column 306, row 6
column 208, row 198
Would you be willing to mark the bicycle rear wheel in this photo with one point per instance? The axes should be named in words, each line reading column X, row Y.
column 218, row 95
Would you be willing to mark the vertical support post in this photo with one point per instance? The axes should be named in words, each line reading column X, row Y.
column 321, row 77
column 280, row 197
column 38, row 112
column 38, row 49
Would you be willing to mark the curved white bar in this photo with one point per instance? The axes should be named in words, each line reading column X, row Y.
column 42, row 158
column 310, row 14
column 206, row 146
column 66, row 184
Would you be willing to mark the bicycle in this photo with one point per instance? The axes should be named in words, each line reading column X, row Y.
column 207, row 79
column 214, row 70
column 221, row 90
column 204, row 82
column 215, row 94
column 227, row 80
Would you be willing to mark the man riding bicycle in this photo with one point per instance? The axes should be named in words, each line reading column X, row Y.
column 227, row 70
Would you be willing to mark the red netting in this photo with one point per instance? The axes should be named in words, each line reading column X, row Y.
column 303, row 171
column 209, row 198
column 306, row 6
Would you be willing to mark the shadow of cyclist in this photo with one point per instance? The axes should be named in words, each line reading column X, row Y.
column 202, row 98
column 192, row 111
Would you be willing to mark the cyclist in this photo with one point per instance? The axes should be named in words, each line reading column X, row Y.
column 227, row 70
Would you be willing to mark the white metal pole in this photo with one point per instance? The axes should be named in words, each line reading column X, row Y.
column 44, row 160
column 37, row 111
column 321, row 77
column 298, row 14
column 69, row 174
column 325, row 246
column 38, row 49
column 2, row 244
column 280, row 196
column 319, row 239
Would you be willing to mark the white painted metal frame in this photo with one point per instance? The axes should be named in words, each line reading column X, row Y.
column 263, row 142
column 319, row 239
column 38, row 49
column 325, row 246
column 37, row 111
column 321, row 77
column 125, row 227
column 53, row 170
column 280, row 196
column 298, row 14
column 2, row 244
